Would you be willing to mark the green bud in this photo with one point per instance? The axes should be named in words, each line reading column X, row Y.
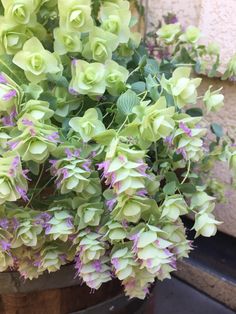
column 169, row 32
column 213, row 100
column 191, row 35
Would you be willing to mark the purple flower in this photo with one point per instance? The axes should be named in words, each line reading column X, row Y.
column 97, row 266
column 12, row 145
column 15, row 223
column 69, row 222
column 54, row 137
column 8, row 96
column 86, row 165
column 104, row 166
column 115, row 262
column 32, row 132
column 142, row 193
column 9, row 120
column 110, row 203
column 73, row 62
column 5, row 245
column 14, row 165
column 63, row 258
column 4, row 223
column 37, row 263
column 142, row 168
column 22, row 193
column 169, row 140
column 135, row 238
column 186, row 130
column 68, row 152
column 24, row 173
column 77, row 152
column 2, row 79
column 27, row 122
column 48, row 228
column 182, row 151
column 73, row 92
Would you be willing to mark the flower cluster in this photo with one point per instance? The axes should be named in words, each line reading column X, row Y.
column 99, row 145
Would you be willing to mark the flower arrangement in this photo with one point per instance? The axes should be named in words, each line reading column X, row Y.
column 100, row 145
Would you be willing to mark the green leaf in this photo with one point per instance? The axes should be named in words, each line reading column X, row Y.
column 195, row 112
column 47, row 96
column 217, row 130
column 13, row 71
column 33, row 167
column 187, row 188
column 185, row 57
column 170, row 188
column 171, row 176
column 138, row 87
column 126, row 102
column 151, row 68
column 215, row 66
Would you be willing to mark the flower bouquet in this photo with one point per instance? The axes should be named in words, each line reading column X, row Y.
column 100, row 146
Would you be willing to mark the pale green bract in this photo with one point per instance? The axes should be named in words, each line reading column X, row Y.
column 102, row 147
column 36, row 61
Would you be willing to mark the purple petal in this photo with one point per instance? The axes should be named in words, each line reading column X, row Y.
column 8, row 96
column 3, row 79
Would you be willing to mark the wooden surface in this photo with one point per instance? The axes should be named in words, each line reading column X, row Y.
column 57, row 301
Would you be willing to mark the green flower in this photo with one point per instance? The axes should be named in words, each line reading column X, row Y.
column 37, row 109
column 10, row 94
column 231, row 68
column 189, row 142
column 90, row 247
column 95, row 273
column 89, row 214
column 6, row 261
column 116, row 77
column 213, row 49
column 100, row 46
column 88, row 78
column 87, row 126
column 205, row 224
column 175, row 233
column 191, row 35
column 52, row 258
column 113, row 231
column 232, row 161
column 152, row 250
column 36, row 61
column 75, row 16
column 74, row 174
column 183, row 89
column 123, row 261
column 156, row 120
column 213, row 100
column 12, row 37
column 169, row 32
column 13, row 184
column 173, row 207
column 66, row 41
column 36, row 141
column 115, row 18
column 19, row 11
column 60, row 226
column 131, row 209
column 26, row 234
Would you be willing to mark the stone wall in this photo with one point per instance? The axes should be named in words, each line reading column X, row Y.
column 217, row 23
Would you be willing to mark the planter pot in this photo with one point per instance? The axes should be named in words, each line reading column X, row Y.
column 61, row 293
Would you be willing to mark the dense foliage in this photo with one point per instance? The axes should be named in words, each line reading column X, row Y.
column 100, row 146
